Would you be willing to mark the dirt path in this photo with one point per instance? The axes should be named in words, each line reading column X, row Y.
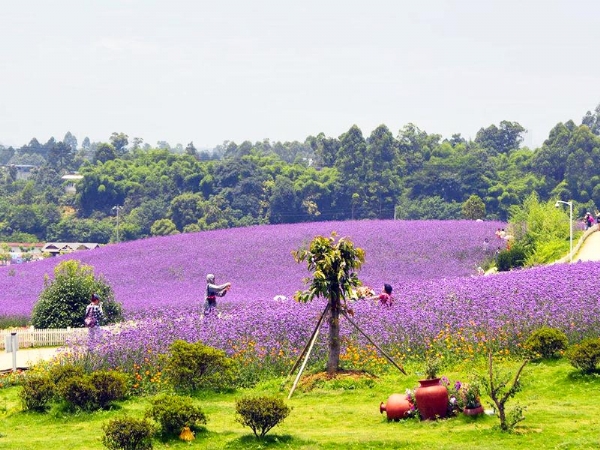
column 26, row 357
column 590, row 250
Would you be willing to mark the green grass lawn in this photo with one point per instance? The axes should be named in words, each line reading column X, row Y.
column 563, row 412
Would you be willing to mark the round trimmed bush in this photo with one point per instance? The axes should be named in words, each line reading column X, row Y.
column 194, row 366
column 110, row 386
column 173, row 412
column 128, row 433
column 585, row 355
column 261, row 413
column 78, row 392
column 547, row 342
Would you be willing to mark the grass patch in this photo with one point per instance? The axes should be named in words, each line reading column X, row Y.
column 13, row 322
column 562, row 411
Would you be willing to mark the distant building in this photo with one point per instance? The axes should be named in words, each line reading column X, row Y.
column 71, row 180
column 23, row 171
column 58, row 248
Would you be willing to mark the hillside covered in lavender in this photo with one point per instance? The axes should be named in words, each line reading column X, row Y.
column 170, row 271
column 440, row 301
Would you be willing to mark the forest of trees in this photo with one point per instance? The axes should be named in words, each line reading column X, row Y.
column 405, row 175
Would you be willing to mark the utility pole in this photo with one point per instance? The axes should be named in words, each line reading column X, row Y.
column 117, row 208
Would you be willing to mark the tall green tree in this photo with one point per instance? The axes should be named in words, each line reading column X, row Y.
column 119, row 141
column 105, row 152
column 325, row 149
column 350, row 163
column 473, row 208
column 6, row 153
column 551, row 159
column 592, row 120
column 416, row 146
column 503, row 139
column 186, row 209
column 60, row 156
column 285, row 205
column 71, row 141
column 381, row 174
column 333, row 263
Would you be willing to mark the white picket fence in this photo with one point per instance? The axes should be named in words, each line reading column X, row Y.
column 48, row 337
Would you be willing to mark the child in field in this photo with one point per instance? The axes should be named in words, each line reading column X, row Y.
column 385, row 298
column 93, row 317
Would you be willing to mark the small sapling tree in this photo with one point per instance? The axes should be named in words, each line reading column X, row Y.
column 501, row 388
column 333, row 264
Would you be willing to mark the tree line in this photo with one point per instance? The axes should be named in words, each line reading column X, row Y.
column 161, row 190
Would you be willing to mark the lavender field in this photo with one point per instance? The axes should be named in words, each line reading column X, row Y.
column 170, row 271
column 440, row 302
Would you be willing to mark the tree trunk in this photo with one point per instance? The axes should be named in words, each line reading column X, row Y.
column 333, row 362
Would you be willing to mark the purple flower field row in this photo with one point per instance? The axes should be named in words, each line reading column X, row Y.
column 459, row 317
column 170, row 271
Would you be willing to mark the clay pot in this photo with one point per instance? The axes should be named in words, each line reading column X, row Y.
column 473, row 411
column 397, row 407
column 432, row 399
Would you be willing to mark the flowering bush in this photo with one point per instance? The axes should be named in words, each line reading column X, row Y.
column 469, row 396
column 462, row 395
column 433, row 364
column 410, row 396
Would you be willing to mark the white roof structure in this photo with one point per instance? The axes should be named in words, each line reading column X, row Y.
column 67, row 247
column 72, row 177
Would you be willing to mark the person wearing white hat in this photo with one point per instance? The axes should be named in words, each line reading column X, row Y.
column 212, row 292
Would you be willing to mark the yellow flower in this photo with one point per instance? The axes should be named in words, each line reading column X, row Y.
column 186, row 434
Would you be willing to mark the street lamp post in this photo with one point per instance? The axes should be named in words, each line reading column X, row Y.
column 558, row 202
column 117, row 208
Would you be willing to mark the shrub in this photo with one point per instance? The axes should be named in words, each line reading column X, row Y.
column 128, row 433
column 89, row 392
column 193, row 366
column 547, row 342
column 261, row 413
column 36, row 392
column 173, row 412
column 109, row 386
column 61, row 372
column 585, row 355
column 79, row 393
column 63, row 300
column 509, row 259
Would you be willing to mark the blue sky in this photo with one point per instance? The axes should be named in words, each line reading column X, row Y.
column 207, row 71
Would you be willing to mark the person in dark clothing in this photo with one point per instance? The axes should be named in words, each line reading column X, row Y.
column 94, row 317
column 213, row 291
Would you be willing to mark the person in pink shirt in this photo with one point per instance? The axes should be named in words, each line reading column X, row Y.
column 385, row 298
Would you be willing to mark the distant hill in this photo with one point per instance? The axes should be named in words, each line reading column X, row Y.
column 171, row 271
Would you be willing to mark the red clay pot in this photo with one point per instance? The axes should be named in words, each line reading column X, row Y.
column 432, row 399
column 397, row 407
column 473, row 411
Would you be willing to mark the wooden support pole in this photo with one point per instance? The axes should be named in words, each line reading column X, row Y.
column 388, row 357
column 315, row 331
column 312, row 342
